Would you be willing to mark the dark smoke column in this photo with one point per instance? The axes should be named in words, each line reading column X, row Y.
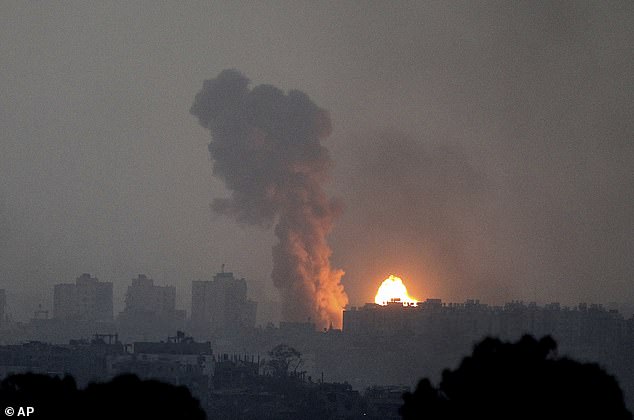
column 266, row 148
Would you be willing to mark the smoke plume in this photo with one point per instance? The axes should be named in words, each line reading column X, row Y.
column 266, row 149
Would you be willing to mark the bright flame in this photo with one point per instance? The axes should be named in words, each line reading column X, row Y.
column 393, row 290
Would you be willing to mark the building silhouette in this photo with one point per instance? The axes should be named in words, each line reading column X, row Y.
column 220, row 307
column 379, row 345
column 85, row 360
column 143, row 296
column 150, row 310
column 87, row 299
column 3, row 307
column 579, row 326
column 179, row 361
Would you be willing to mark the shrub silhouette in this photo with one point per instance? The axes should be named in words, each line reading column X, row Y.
column 124, row 397
column 522, row 380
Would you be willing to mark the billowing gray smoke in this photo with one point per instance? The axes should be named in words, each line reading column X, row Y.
column 266, row 149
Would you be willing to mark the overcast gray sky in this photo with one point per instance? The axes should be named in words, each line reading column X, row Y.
column 481, row 149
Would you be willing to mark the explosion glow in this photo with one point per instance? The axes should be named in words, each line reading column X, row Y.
column 393, row 290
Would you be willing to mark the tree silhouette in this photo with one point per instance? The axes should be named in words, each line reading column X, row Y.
column 51, row 397
column 128, row 397
column 284, row 360
column 522, row 380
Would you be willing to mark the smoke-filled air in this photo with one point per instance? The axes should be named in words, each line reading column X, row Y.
column 266, row 148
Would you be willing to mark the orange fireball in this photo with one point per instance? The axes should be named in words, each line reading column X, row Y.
column 393, row 290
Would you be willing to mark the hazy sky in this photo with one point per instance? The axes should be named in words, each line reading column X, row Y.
column 481, row 150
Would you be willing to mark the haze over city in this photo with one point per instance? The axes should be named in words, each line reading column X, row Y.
column 477, row 150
